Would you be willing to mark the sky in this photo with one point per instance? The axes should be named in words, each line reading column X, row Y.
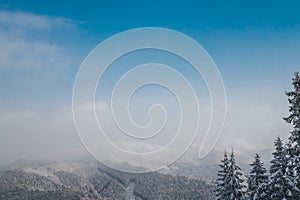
column 255, row 45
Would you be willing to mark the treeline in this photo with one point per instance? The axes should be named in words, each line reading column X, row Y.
column 155, row 185
column 282, row 180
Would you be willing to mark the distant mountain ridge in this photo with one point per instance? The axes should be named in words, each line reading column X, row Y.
column 91, row 180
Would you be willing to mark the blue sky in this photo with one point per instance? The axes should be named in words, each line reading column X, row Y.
column 105, row 16
column 241, row 37
column 255, row 44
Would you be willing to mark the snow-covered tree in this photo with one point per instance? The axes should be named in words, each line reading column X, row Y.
column 293, row 150
column 223, row 179
column 290, row 181
column 277, row 187
column 235, row 181
column 229, row 183
column 257, row 181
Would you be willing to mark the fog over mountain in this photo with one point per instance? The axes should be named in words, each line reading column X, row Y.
column 36, row 93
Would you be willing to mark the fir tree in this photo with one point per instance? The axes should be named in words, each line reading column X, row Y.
column 293, row 150
column 277, row 187
column 290, row 181
column 235, row 181
column 223, row 180
column 257, row 181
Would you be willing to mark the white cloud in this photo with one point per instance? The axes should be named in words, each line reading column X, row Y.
column 26, row 133
column 24, row 54
column 30, row 21
column 254, row 118
column 37, row 60
column 25, row 40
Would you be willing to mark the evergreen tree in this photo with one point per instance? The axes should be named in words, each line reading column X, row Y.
column 257, row 181
column 235, row 181
column 289, row 174
column 277, row 187
column 293, row 150
column 223, row 180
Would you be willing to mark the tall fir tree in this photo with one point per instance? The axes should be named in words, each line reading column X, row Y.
column 257, row 181
column 293, row 150
column 235, row 180
column 223, row 180
column 290, row 181
column 278, row 187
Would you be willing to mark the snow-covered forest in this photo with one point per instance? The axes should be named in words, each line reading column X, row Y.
column 282, row 180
